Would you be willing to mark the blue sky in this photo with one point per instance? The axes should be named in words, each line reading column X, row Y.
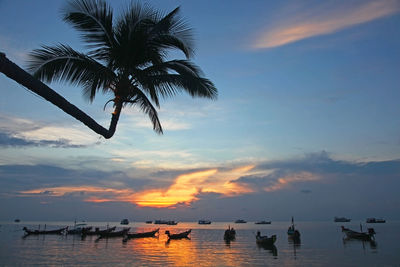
column 307, row 111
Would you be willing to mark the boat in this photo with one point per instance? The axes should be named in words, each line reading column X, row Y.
column 204, row 222
column 367, row 236
column 265, row 240
column 341, row 219
column 17, row 220
column 263, row 222
column 374, row 220
column 125, row 222
column 44, row 232
column 149, row 222
column 119, row 233
column 292, row 231
column 140, row 235
column 172, row 223
column 240, row 221
column 97, row 231
column 160, row 222
column 78, row 229
column 179, row 235
column 230, row 234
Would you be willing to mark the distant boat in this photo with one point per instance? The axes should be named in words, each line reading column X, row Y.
column 149, row 222
column 79, row 228
column 179, row 235
column 97, row 231
column 125, row 221
column 374, row 220
column 44, row 232
column 230, row 234
column 240, row 221
column 160, row 222
column 292, row 232
column 265, row 240
column 263, row 222
column 17, row 220
column 359, row 235
column 120, row 233
column 341, row 219
column 172, row 223
column 204, row 222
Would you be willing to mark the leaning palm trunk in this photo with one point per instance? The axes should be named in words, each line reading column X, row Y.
column 14, row 72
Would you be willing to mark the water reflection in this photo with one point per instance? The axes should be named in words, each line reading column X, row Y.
column 352, row 242
column 270, row 248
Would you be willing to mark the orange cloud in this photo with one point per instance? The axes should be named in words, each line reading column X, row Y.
column 288, row 180
column 325, row 22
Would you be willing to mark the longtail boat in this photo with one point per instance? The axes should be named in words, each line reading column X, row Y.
column 292, row 232
column 230, row 234
column 44, row 232
column 97, row 231
column 120, row 233
column 265, row 240
column 140, row 235
column 179, row 235
column 359, row 235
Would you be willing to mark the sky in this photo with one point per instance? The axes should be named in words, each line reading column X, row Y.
column 306, row 123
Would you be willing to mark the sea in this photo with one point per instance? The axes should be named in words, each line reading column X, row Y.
column 321, row 244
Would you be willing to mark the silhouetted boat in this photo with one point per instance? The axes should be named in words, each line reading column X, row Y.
column 125, row 222
column 292, row 232
column 120, row 233
column 374, row 220
column 172, row 223
column 78, row 229
column 17, row 220
column 204, row 222
column 44, row 232
column 240, row 221
column 230, row 234
column 149, row 222
column 160, row 222
column 141, row 235
column 359, row 235
column 179, row 235
column 263, row 222
column 97, row 231
column 341, row 219
column 265, row 240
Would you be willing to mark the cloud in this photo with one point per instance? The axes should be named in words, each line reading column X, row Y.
column 325, row 20
column 20, row 132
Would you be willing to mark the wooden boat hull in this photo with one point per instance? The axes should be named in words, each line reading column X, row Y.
column 120, row 233
column 267, row 241
column 178, row 236
column 44, row 232
column 141, row 235
column 229, row 234
column 98, row 232
column 367, row 236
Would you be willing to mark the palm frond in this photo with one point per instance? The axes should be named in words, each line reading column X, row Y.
column 94, row 18
column 62, row 63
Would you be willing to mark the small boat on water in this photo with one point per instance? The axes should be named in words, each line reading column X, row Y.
column 119, row 233
column 341, row 219
column 78, row 229
column 230, row 234
column 97, row 231
column 263, row 222
column 140, row 235
column 179, row 235
column 204, row 222
column 160, row 222
column 17, row 220
column 375, row 220
column 240, row 221
column 125, row 222
column 44, row 232
column 265, row 240
column 293, row 232
column 172, row 223
column 367, row 236
column 149, row 222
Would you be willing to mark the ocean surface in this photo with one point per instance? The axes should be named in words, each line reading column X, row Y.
column 322, row 244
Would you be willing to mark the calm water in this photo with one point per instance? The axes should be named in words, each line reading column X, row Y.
column 321, row 244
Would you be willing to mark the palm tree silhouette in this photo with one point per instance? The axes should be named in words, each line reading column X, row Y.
column 126, row 56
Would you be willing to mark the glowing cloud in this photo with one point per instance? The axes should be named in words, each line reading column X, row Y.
column 288, row 180
column 325, row 22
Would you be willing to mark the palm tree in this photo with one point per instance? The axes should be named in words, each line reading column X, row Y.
column 127, row 57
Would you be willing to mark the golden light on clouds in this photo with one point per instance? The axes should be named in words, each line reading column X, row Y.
column 184, row 189
column 325, row 22
column 291, row 179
